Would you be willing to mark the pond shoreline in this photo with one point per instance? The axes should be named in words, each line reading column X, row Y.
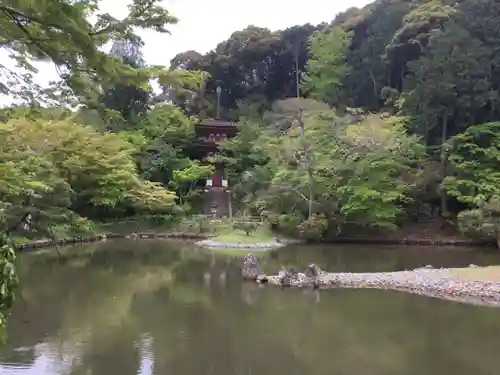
column 411, row 241
column 212, row 244
column 45, row 243
column 435, row 283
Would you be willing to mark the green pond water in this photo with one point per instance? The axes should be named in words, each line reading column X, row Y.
column 157, row 307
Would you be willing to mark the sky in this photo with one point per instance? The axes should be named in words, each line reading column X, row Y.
column 205, row 23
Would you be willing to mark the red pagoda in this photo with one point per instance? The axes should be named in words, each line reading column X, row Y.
column 217, row 197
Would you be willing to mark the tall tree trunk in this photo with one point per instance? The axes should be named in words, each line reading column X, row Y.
column 444, row 159
column 310, row 172
column 296, row 50
column 376, row 94
column 311, row 192
column 297, row 75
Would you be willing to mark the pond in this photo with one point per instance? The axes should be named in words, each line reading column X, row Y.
column 158, row 307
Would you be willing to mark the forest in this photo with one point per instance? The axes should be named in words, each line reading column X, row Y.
column 385, row 115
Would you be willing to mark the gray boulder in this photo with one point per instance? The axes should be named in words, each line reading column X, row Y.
column 288, row 277
column 250, row 269
column 312, row 274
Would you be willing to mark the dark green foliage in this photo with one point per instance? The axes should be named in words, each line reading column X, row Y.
column 130, row 101
column 253, row 67
column 8, row 280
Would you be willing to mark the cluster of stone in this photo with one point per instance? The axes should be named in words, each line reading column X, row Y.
column 426, row 280
column 286, row 277
column 251, row 269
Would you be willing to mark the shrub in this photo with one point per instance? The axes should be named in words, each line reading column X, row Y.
column 483, row 222
column 314, row 228
column 287, row 224
column 246, row 226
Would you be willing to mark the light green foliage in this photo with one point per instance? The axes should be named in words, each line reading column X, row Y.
column 327, row 66
column 168, row 125
column 61, row 165
column 185, row 178
column 474, row 157
column 167, row 139
column 363, row 172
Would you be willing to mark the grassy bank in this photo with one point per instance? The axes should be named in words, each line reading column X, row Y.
column 490, row 273
column 261, row 235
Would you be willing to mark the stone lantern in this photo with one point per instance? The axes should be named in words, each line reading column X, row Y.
column 213, row 210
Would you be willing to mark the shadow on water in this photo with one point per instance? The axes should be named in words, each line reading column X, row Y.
column 157, row 307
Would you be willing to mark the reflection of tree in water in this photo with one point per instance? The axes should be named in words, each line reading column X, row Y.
column 114, row 353
column 191, row 338
column 19, row 356
column 104, row 304
column 249, row 292
column 90, row 296
column 359, row 258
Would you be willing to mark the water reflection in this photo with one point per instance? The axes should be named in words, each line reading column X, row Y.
column 152, row 308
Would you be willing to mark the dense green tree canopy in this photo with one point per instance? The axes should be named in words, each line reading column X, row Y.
column 254, row 66
column 362, row 172
column 60, row 31
column 372, row 120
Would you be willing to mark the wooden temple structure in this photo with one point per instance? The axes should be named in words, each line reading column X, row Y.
column 216, row 196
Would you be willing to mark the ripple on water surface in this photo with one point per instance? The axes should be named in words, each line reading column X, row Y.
column 155, row 307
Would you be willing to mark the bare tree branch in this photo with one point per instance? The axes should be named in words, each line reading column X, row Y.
column 289, row 187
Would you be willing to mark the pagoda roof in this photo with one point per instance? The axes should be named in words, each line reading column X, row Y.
column 216, row 123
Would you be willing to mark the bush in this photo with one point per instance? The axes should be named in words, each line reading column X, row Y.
column 162, row 219
column 272, row 219
column 313, row 229
column 483, row 222
column 198, row 224
column 246, row 226
column 287, row 224
column 8, row 281
column 77, row 227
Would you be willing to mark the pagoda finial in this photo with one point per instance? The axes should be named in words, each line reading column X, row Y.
column 218, row 90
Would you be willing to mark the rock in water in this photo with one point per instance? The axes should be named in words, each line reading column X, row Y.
column 288, row 277
column 250, row 269
column 262, row 279
column 312, row 273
